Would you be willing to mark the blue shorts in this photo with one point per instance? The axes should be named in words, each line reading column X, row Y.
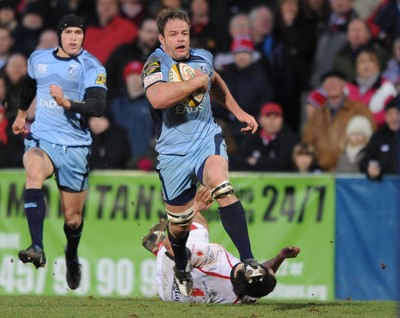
column 71, row 164
column 179, row 174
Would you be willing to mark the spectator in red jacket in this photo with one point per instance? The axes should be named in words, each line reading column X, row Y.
column 108, row 31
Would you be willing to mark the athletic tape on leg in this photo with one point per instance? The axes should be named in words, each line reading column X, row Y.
column 223, row 190
column 181, row 219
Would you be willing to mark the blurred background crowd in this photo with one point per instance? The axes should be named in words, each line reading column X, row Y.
column 321, row 76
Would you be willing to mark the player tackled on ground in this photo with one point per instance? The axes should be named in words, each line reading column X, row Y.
column 218, row 276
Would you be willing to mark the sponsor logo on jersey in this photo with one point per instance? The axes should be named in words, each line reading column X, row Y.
column 48, row 103
column 72, row 69
column 183, row 109
column 150, row 79
column 101, row 79
column 152, row 68
column 42, row 68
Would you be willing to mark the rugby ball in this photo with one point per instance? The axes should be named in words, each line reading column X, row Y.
column 182, row 72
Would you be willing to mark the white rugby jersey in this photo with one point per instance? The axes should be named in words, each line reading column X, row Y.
column 211, row 270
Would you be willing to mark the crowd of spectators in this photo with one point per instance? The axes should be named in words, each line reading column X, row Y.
column 321, row 77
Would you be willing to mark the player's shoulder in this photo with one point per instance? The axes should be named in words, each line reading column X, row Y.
column 160, row 56
column 89, row 59
column 197, row 53
column 42, row 54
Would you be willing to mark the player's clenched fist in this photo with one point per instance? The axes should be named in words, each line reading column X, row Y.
column 289, row 252
column 18, row 126
column 57, row 93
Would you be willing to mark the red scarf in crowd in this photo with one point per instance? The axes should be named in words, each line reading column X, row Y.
column 266, row 137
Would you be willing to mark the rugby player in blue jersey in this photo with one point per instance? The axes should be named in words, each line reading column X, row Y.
column 69, row 84
column 190, row 145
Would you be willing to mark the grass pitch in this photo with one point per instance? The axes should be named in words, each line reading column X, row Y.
column 43, row 307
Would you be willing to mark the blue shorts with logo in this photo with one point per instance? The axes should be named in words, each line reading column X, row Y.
column 71, row 164
column 179, row 174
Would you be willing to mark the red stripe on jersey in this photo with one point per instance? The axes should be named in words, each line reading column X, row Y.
column 217, row 274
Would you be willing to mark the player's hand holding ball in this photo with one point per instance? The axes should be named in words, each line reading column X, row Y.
column 180, row 72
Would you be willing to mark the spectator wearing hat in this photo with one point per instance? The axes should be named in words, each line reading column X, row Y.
column 358, row 133
column 108, row 30
column 131, row 110
column 380, row 153
column 139, row 49
column 326, row 128
column 270, row 149
column 369, row 87
column 239, row 26
column 248, row 82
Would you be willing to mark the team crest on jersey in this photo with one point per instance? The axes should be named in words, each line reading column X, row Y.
column 72, row 69
column 101, row 79
column 152, row 68
column 42, row 68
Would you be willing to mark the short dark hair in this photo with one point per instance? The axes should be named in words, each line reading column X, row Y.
column 257, row 288
column 166, row 15
column 334, row 73
column 393, row 103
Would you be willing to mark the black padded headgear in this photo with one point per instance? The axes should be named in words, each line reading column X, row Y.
column 253, row 280
column 70, row 20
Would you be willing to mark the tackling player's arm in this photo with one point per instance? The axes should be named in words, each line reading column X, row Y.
column 93, row 103
column 221, row 94
column 287, row 252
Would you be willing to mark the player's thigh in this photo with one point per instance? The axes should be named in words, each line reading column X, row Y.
column 215, row 171
column 37, row 164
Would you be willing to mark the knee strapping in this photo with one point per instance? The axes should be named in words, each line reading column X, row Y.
column 181, row 219
column 222, row 190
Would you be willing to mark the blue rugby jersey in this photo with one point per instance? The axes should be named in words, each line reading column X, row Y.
column 180, row 129
column 52, row 122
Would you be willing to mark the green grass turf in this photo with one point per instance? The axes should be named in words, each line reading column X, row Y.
column 40, row 306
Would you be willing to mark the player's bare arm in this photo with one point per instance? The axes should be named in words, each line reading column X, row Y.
column 203, row 199
column 221, row 94
column 287, row 252
column 164, row 95
column 18, row 126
